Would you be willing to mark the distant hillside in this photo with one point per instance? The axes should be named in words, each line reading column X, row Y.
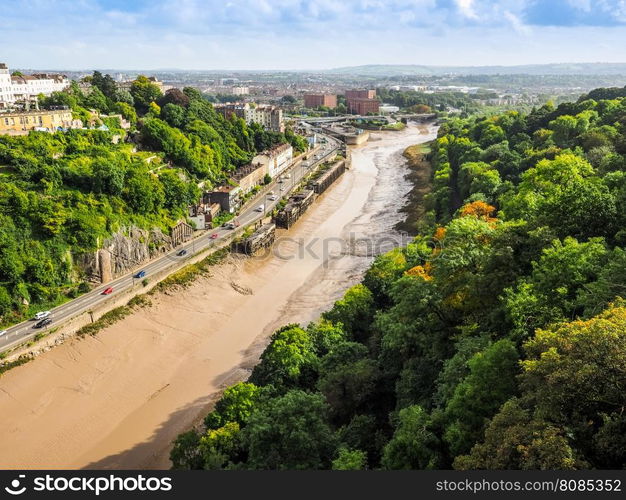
column 532, row 69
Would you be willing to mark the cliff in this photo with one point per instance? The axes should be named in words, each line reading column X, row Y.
column 125, row 250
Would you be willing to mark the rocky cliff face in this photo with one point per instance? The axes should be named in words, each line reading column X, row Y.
column 124, row 251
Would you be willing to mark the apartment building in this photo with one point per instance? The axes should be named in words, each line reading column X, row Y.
column 23, row 122
column 270, row 117
column 277, row 159
column 27, row 87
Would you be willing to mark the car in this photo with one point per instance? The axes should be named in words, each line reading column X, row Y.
column 43, row 322
column 273, row 197
column 229, row 225
column 214, row 236
column 140, row 274
column 287, row 176
column 260, row 208
column 3, row 332
column 182, row 252
column 108, row 291
column 42, row 315
column 280, row 181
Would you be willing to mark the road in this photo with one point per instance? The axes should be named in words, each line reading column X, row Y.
column 25, row 331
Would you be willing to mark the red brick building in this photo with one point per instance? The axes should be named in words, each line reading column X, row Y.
column 360, row 94
column 362, row 106
column 317, row 100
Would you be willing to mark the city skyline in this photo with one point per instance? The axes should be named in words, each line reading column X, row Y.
column 293, row 35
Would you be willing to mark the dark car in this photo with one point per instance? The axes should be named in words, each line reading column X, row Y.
column 140, row 274
column 43, row 322
column 182, row 252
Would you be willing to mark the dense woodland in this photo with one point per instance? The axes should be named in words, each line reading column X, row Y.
column 63, row 193
column 495, row 340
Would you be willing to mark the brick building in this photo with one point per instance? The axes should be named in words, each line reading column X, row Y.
column 360, row 94
column 362, row 106
column 317, row 100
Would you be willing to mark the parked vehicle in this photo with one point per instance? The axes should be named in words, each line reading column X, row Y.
column 140, row 274
column 182, row 252
column 42, row 314
column 43, row 322
column 3, row 332
column 108, row 291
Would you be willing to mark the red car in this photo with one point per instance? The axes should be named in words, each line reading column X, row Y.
column 108, row 291
column 214, row 236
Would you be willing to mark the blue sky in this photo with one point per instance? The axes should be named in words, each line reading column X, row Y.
column 313, row 34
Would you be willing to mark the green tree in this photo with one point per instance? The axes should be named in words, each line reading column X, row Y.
column 353, row 312
column 414, row 444
column 235, row 405
column 490, row 383
column 514, row 439
column 290, row 432
column 350, row 460
column 144, row 92
column 288, row 358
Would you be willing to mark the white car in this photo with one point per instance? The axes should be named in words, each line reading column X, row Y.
column 42, row 314
column 260, row 208
column 2, row 332
column 287, row 176
column 273, row 197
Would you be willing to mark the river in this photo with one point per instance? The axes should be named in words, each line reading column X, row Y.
column 118, row 399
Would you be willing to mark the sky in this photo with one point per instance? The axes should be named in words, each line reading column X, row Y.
column 307, row 34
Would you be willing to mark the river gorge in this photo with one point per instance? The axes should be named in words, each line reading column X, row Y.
column 118, row 399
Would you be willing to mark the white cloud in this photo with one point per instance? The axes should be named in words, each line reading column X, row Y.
column 517, row 24
column 467, row 8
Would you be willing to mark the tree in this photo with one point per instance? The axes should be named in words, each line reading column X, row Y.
column 290, row 432
column 514, row 439
column 414, row 444
column 144, row 92
column 218, row 447
column 235, row 405
column 127, row 111
column 350, row 460
column 174, row 114
column 288, row 358
column 353, row 312
column 575, row 373
column 174, row 96
column 350, row 389
column 490, row 383
column 185, row 453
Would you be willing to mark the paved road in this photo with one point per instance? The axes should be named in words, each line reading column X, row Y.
column 171, row 261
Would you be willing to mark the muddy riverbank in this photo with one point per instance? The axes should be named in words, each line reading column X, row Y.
column 116, row 400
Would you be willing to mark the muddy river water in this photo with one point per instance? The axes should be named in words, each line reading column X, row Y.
column 118, row 399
